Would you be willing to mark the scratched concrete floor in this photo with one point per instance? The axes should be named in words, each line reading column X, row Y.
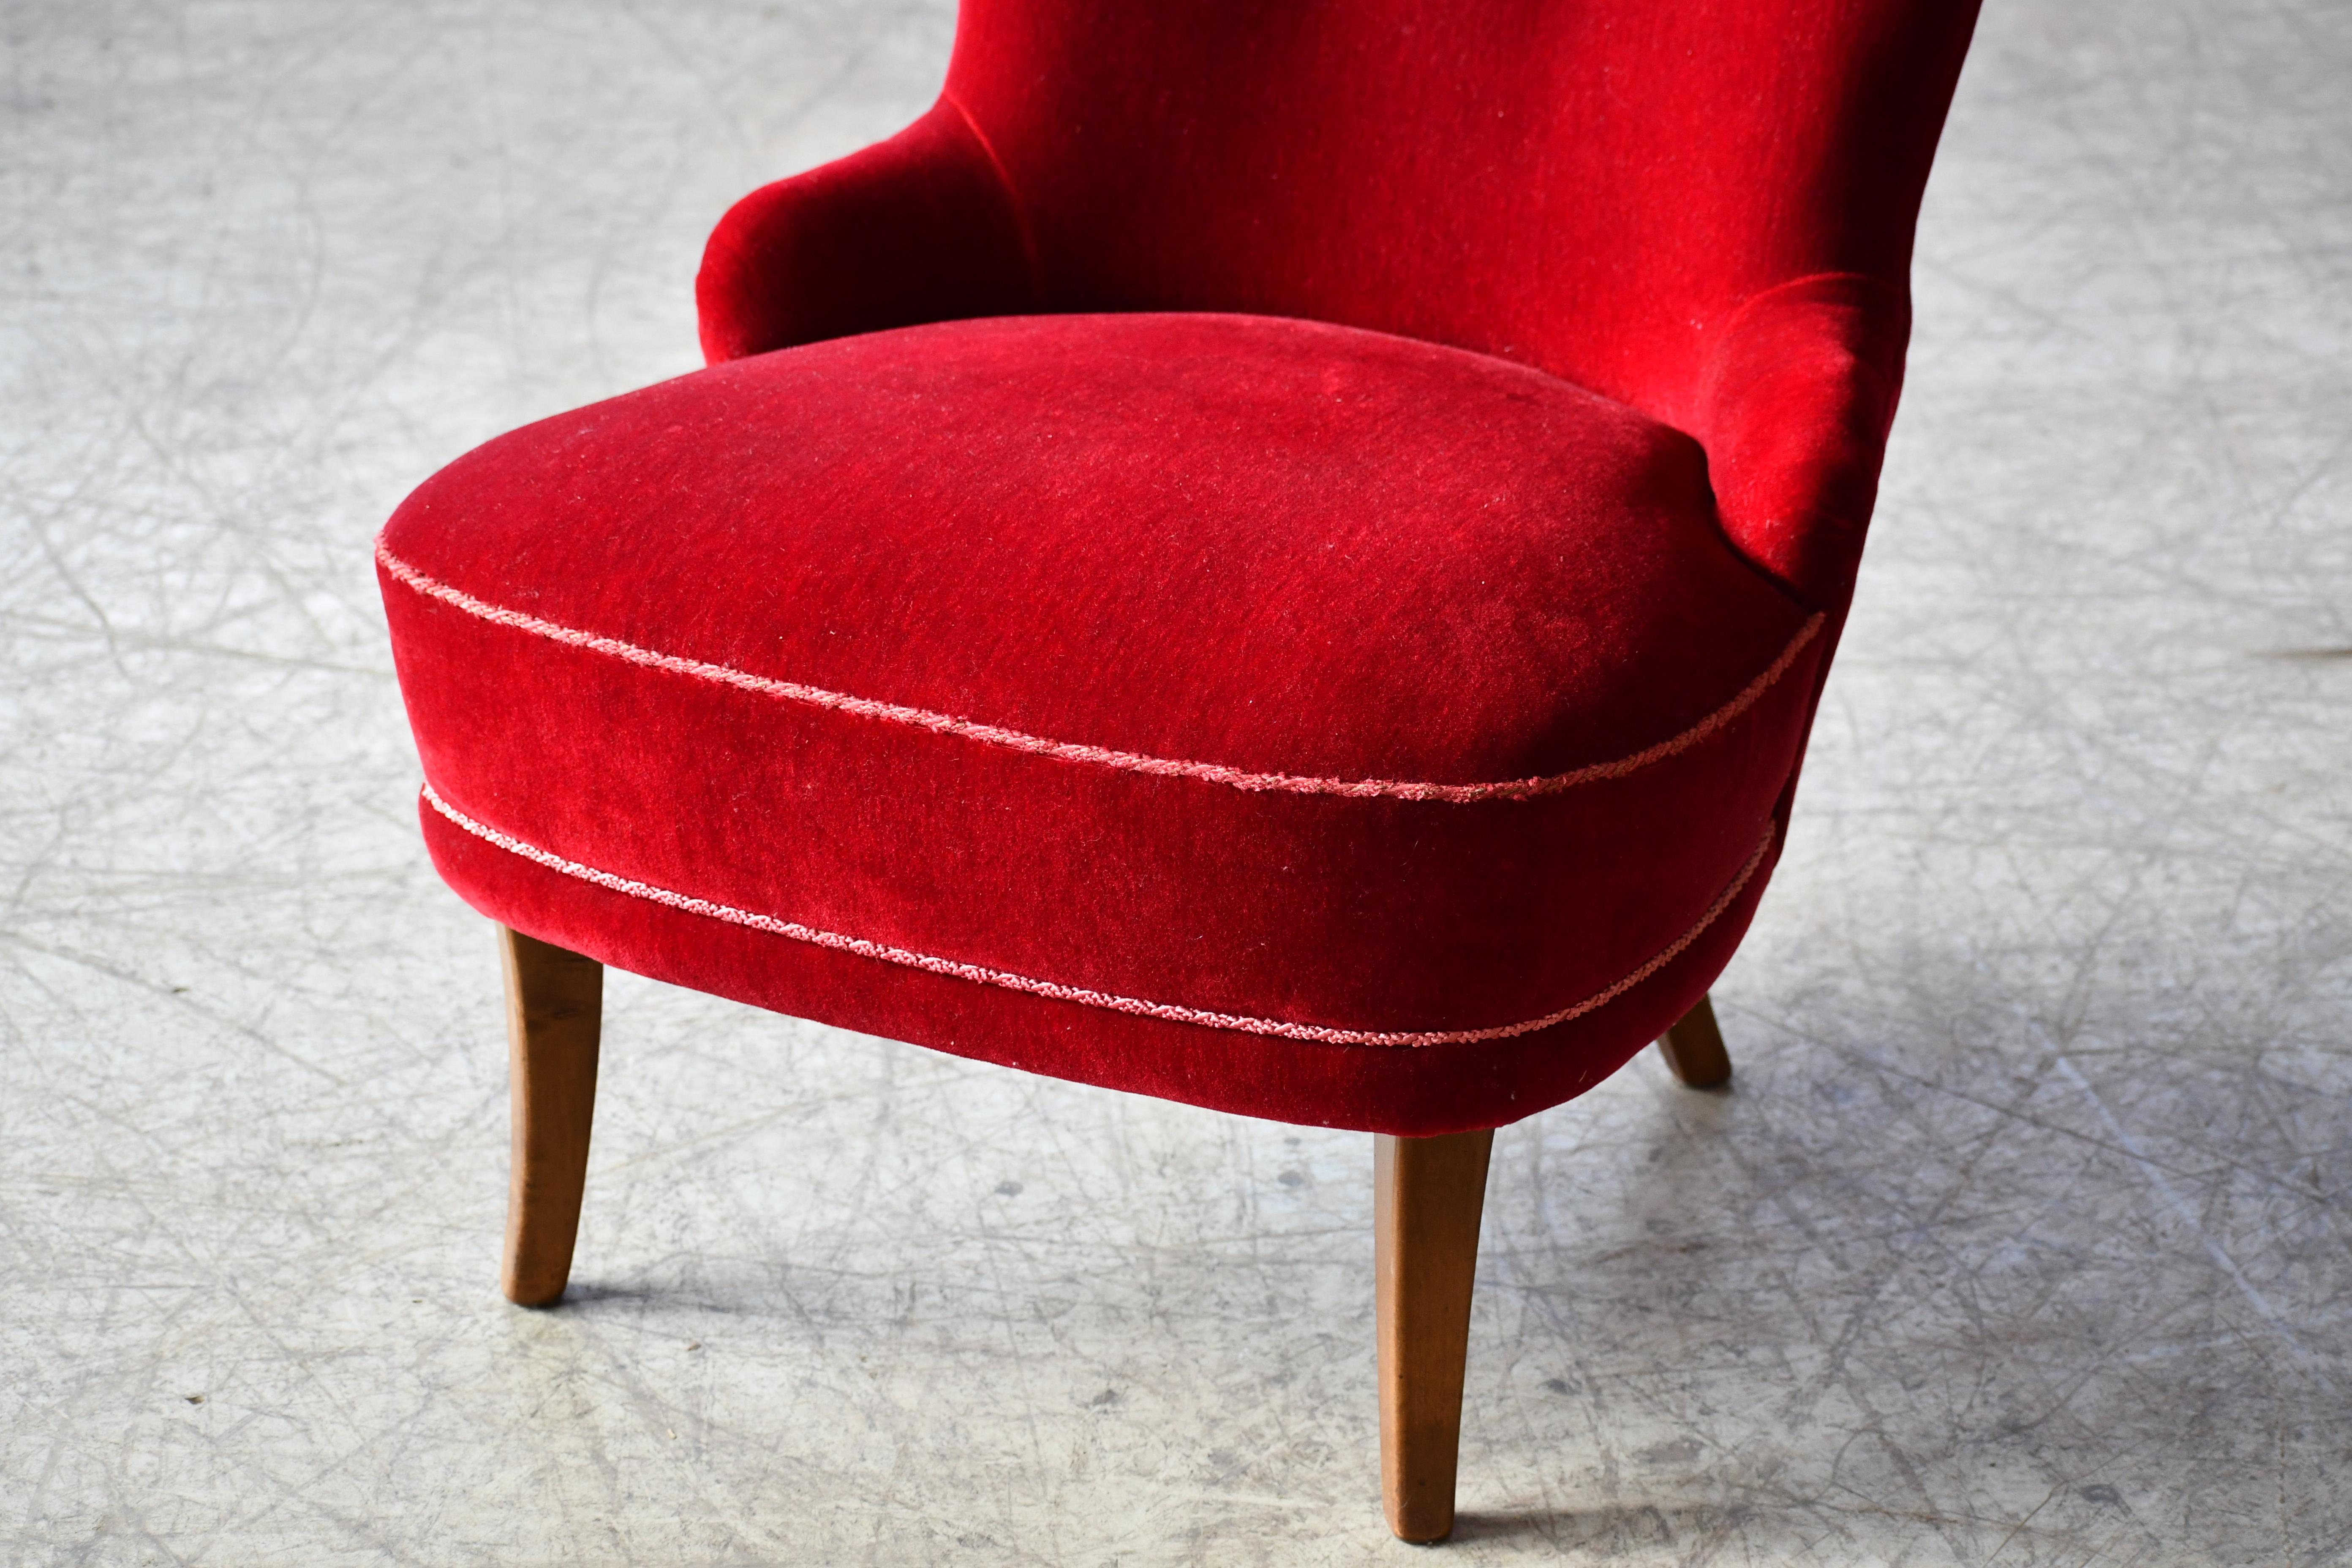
column 2023, row 1236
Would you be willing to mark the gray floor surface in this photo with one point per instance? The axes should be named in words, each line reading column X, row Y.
column 2022, row 1237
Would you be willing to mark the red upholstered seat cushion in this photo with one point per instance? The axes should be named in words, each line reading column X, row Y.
column 1302, row 721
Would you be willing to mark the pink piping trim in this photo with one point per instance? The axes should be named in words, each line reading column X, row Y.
column 1066, row 750
column 1060, row 993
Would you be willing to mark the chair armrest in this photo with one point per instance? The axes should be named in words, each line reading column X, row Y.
column 1797, row 397
column 921, row 227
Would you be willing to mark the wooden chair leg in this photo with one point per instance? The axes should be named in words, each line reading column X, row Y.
column 555, row 1010
column 1693, row 1048
column 1427, row 1196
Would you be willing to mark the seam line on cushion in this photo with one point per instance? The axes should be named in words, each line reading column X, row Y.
column 1055, row 991
column 1074, row 752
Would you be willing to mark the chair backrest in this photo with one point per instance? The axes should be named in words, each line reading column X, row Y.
column 1591, row 186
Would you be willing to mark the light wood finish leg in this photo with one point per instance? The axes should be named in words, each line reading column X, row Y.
column 1693, row 1048
column 555, row 1010
column 1427, row 1196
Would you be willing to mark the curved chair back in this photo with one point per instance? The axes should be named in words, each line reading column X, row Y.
column 1594, row 187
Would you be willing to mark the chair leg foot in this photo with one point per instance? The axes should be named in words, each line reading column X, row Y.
column 1428, row 1193
column 555, row 1009
column 1693, row 1048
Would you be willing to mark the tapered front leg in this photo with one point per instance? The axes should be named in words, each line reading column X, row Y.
column 1693, row 1048
column 556, row 1011
column 1428, row 1194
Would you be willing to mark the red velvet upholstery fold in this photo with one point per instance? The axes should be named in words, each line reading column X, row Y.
column 1795, row 408
column 918, row 228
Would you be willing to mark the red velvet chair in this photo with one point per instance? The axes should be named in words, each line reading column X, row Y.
column 1276, row 555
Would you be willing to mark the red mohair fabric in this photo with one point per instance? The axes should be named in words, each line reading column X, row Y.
column 1284, row 563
